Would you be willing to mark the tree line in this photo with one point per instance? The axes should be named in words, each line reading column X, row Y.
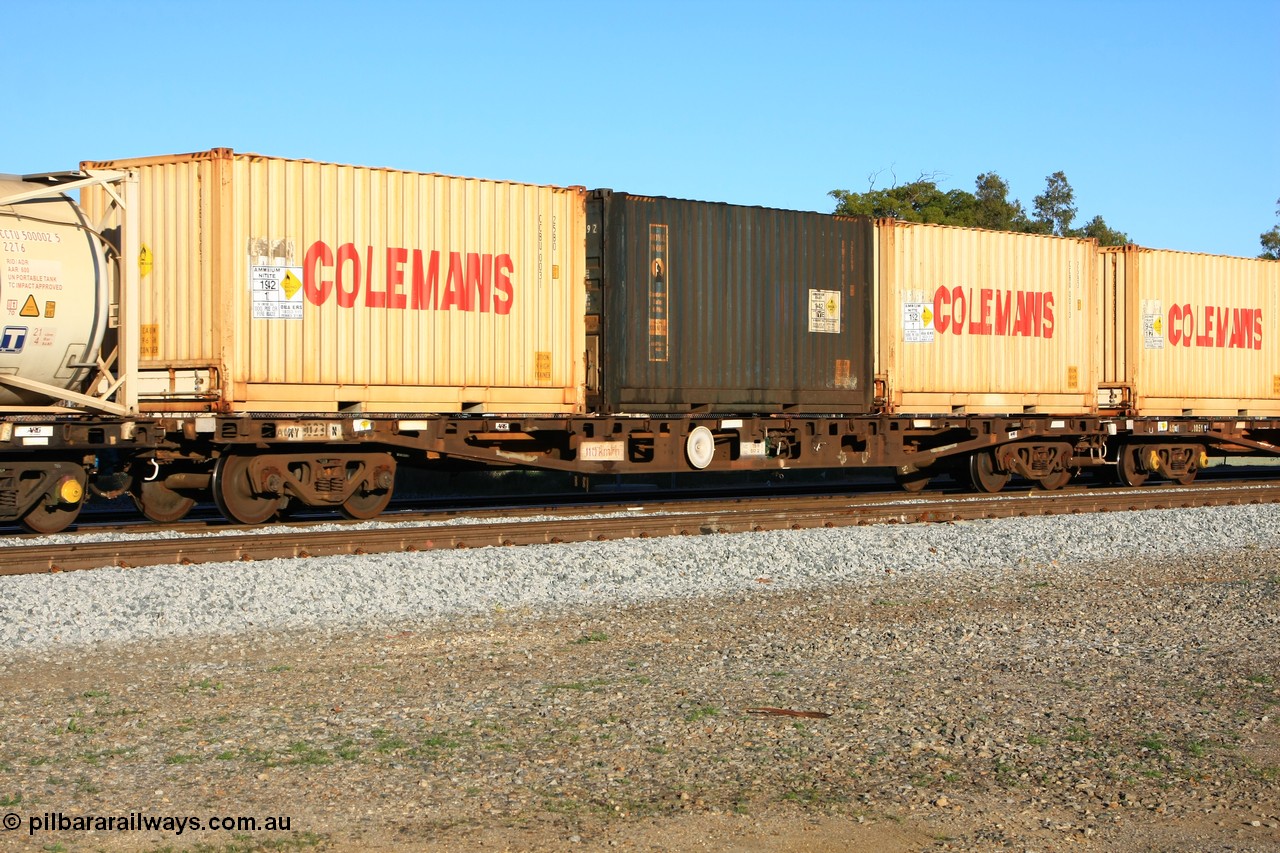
column 989, row 206
column 1271, row 239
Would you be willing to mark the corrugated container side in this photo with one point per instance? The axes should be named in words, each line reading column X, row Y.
column 180, row 221
column 1203, row 334
column 716, row 307
column 318, row 287
column 985, row 321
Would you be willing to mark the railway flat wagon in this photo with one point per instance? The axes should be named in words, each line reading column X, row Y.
column 277, row 285
column 984, row 322
column 1189, row 334
column 699, row 307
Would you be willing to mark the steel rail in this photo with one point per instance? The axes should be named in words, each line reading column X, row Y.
column 772, row 514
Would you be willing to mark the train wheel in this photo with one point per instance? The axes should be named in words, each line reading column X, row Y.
column 1128, row 470
column 983, row 473
column 364, row 505
column 914, row 482
column 233, row 492
column 60, row 506
column 1055, row 481
column 160, row 503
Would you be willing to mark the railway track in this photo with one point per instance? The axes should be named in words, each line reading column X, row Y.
column 598, row 523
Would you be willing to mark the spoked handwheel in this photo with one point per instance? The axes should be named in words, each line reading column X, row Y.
column 1128, row 468
column 234, row 494
column 59, row 507
column 161, row 504
column 983, row 472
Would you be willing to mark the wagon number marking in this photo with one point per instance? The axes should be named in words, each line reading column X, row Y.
column 310, row 432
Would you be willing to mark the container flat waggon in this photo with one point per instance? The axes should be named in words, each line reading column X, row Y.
column 261, row 332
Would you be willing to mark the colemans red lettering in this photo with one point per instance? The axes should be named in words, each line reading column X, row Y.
column 1013, row 313
column 1214, row 326
column 472, row 281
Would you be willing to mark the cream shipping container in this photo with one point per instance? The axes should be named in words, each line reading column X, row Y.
column 974, row 321
column 271, row 284
column 1189, row 334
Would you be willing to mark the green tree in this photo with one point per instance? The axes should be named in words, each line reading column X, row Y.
column 992, row 208
column 1056, row 207
column 1271, row 240
column 1098, row 229
column 920, row 200
column 917, row 201
column 988, row 207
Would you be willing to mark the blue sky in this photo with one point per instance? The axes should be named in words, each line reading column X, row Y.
column 1165, row 116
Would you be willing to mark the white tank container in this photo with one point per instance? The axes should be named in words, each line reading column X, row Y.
column 53, row 293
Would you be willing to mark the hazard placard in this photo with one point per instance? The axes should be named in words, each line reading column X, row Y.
column 30, row 308
column 824, row 311
column 917, row 323
column 276, row 292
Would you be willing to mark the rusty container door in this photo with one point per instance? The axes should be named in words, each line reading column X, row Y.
column 975, row 321
column 720, row 308
column 1203, row 333
column 291, row 285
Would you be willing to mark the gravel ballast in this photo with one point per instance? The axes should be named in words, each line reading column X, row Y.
column 116, row 605
column 1102, row 682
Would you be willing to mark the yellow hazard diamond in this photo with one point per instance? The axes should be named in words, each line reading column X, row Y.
column 291, row 284
column 926, row 316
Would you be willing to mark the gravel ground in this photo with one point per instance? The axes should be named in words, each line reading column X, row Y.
column 1101, row 682
column 119, row 605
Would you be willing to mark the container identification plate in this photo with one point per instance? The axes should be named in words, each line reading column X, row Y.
column 276, row 292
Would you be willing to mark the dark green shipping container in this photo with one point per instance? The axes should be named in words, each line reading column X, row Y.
column 703, row 307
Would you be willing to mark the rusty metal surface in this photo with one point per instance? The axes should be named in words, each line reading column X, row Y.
column 719, row 307
column 743, row 516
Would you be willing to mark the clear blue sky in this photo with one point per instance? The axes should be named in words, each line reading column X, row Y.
column 1165, row 116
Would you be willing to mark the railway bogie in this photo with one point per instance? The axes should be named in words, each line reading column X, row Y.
column 49, row 468
column 46, row 494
